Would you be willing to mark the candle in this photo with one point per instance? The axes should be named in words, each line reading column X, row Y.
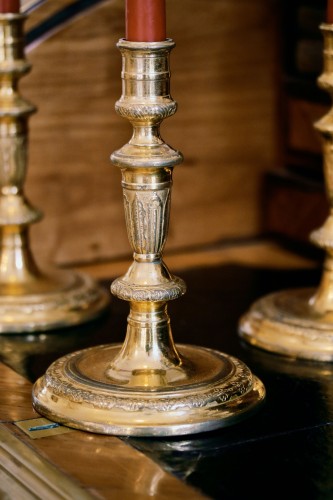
column 12, row 6
column 329, row 12
column 145, row 20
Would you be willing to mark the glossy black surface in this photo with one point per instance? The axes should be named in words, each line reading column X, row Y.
column 284, row 451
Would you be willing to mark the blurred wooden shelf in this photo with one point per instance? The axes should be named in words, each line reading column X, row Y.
column 252, row 252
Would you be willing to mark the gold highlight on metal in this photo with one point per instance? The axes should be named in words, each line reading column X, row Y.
column 30, row 299
column 298, row 323
column 148, row 386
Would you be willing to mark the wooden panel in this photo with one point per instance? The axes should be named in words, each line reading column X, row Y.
column 109, row 468
column 302, row 135
column 104, row 466
column 294, row 207
column 26, row 475
column 15, row 395
column 223, row 78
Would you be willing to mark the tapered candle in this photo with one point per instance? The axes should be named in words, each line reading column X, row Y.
column 9, row 6
column 329, row 12
column 145, row 20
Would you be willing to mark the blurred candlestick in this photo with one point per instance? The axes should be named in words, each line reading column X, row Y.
column 329, row 12
column 9, row 6
column 145, row 20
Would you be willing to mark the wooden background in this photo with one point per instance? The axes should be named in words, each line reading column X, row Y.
column 224, row 78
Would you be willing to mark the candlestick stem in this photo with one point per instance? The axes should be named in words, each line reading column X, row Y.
column 30, row 299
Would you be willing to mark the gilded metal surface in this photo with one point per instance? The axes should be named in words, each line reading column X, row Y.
column 286, row 323
column 299, row 323
column 30, row 299
column 148, row 386
column 56, row 300
column 219, row 390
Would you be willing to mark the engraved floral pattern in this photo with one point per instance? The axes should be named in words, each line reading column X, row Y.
column 147, row 216
column 170, row 291
column 58, row 381
column 134, row 112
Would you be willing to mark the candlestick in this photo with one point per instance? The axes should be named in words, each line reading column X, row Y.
column 148, row 386
column 299, row 322
column 9, row 6
column 145, row 20
column 30, row 299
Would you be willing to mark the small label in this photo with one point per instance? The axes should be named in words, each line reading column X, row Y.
column 41, row 427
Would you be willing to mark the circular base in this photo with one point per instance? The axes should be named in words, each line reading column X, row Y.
column 51, row 301
column 76, row 392
column 285, row 323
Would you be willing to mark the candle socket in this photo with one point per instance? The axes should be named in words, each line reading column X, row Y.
column 298, row 323
column 30, row 299
column 148, row 386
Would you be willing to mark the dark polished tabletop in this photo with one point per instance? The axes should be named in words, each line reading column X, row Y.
column 285, row 450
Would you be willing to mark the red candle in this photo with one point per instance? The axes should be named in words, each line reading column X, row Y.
column 145, row 20
column 9, row 6
column 329, row 12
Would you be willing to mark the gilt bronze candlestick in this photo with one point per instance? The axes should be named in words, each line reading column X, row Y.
column 148, row 386
column 30, row 299
column 299, row 322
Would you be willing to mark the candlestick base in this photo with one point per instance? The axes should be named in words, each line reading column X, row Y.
column 286, row 323
column 49, row 301
column 210, row 390
column 29, row 299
